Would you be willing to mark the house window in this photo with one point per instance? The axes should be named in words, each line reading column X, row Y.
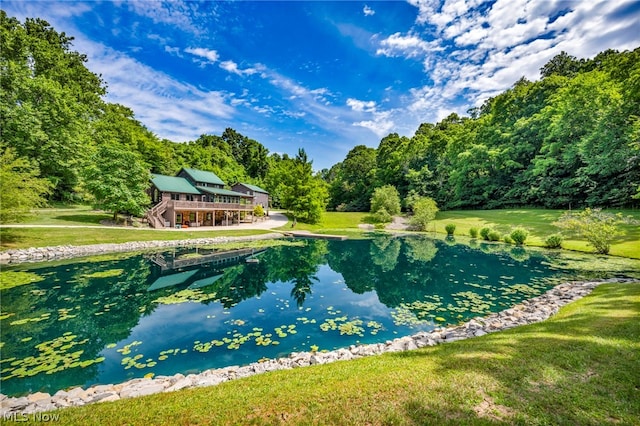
column 175, row 196
column 189, row 197
column 192, row 217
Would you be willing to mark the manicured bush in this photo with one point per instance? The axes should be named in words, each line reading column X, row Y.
column 484, row 233
column 450, row 228
column 519, row 235
column 473, row 232
column 507, row 239
column 553, row 241
column 494, row 236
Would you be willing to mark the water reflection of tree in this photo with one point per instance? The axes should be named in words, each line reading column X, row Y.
column 298, row 265
column 353, row 260
column 240, row 282
column 100, row 310
column 385, row 251
column 421, row 249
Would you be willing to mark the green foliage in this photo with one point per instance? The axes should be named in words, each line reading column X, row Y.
column 21, row 188
column 48, row 99
column 350, row 181
column 484, row 233
column 473, row 232
column 600, row 229
column 450, row 228
column 507, row 239
column 258, row 211
column 381, row 217
column 424, row 211
column 493, row 236
column 519, row 235
column 118, row 180
column 387, row 198
column 294, row 187
column 553, row 241
column 567, row 140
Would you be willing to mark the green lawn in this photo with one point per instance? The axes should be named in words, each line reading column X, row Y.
column 68, row 216
column 12, row 238
column 539, row 223
column 579, row 367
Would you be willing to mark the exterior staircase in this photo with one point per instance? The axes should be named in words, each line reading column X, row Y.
column 154, row 215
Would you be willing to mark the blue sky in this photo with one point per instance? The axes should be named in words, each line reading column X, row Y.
column 324, row 76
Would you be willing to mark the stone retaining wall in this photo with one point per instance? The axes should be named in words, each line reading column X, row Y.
column 39, row 254
column 530, row 311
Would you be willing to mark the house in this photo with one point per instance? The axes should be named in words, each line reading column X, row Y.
column 261, row 197
column 198, row 198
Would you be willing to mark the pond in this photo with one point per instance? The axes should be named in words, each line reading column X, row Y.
column 111, row 319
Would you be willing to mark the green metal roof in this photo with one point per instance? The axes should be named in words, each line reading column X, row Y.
column 254, row 188
column 173, row 184
column 171, row 280
column 203, row 176
column 220, row 191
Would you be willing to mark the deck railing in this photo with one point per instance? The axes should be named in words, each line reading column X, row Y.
column 205, row 205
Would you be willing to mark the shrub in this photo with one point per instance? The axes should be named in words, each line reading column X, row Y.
column 258, row 211
column 493, row 235
column 473, row 232
column 553, row 241
column 519, row 235
column 507, row 239
column 450, row 228
column 424, row 211
column 387, row 198
column 382, row 216
column 599, row 228
column 484, row 232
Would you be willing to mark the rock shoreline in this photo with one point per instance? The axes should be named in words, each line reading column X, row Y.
column 40, row 254
column 527, row 312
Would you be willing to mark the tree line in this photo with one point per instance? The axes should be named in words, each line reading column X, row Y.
column 570, row 139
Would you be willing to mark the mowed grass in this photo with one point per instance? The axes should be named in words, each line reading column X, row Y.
column 76, row 215
column 15, row 238
column 342, row 223
column 539, row 223
column 579, row 367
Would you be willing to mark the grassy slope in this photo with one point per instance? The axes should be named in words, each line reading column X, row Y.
column 579, row 367
column 539, row 223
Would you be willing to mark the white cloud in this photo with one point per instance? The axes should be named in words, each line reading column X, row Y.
column 177, row 13
column 232, row 67
column 368, row 11
column 210, row 56
column 409, row 46
column 361, row 106
column 381, row 124
column 171, row 109
column 480, row 53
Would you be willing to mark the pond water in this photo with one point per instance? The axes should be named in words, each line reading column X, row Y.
column 109, row 320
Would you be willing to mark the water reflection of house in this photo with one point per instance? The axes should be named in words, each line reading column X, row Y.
column 199, row 198
column 196, row 268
